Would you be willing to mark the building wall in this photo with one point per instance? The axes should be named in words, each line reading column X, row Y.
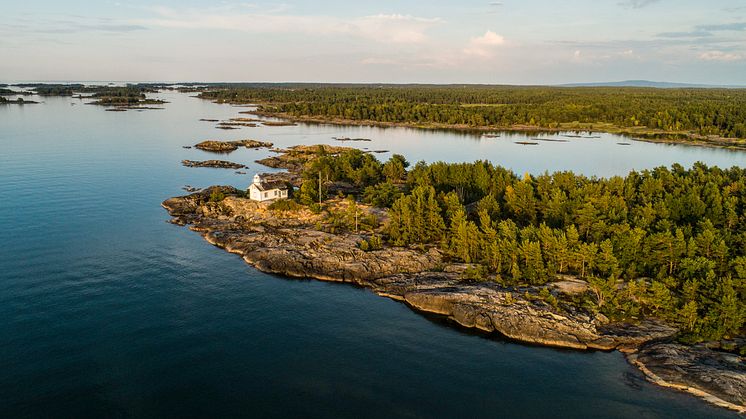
column 254, row 193
column 257, row 195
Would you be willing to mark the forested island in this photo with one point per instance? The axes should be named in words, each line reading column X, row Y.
column 652, row 263
column 131, row 96
column 694, row 115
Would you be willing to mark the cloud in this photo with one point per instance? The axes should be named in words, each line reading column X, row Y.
column 736, row 27
column 690, row 34
column 637, row 4
column 484, row 46
column 395, row 28
column 705, row 31
column 77, row 27
column 77, row 24
column 720, row 56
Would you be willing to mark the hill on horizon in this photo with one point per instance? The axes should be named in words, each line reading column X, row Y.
column 648, row 83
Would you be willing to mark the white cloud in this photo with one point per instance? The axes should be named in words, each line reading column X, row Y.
column 485, row 45
column 394, row 28
column 720, row 56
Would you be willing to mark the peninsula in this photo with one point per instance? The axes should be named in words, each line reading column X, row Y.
column 559, row 260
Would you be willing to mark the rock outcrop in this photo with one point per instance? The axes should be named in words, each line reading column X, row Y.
column 718, row 377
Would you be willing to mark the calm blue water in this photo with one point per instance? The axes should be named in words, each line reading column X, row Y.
column 107, row 310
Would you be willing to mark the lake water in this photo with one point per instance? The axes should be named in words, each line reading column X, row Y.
column 107, row 310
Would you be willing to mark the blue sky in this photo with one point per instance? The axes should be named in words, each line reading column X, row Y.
column 436, row 41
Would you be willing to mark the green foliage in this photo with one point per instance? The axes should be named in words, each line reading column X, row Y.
column 316, row 208
column 545, row 295
column 703, row 111
column 415, row 218
column 369, row 222
column 477, row 273
column 374, row 242
column 284, row 205
column 217, row 195
column 396, row 168
column 381, row 195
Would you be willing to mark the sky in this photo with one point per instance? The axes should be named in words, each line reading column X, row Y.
column 384, row 41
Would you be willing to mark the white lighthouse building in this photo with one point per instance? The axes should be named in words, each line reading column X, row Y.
column 261, row 190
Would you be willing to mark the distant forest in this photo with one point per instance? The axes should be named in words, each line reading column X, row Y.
column 720, row 112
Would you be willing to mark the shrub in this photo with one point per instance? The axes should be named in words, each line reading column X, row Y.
column 284, row 205
column 375, row 242
column 316, row 208
column 217, row 195
column 475, row 273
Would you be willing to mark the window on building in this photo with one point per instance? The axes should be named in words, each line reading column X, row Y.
column 265, row 194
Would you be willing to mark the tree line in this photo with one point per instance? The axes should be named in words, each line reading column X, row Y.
column 702, row 111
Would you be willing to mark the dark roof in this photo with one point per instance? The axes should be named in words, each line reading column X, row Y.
column 268, row 186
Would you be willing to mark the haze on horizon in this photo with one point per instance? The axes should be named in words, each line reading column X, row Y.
column 500, row 42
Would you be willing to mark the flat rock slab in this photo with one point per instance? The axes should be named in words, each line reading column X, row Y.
column 719, row 377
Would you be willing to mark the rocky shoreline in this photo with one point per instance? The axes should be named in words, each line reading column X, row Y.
column 291, row 243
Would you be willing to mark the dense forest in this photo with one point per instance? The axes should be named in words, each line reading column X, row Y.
column 668, row 242
column 122, row 96
column 719, row 112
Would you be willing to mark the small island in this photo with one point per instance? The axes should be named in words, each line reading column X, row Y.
column 18, row 101
column 217, row 164
column 216, row 146
column 559, row 260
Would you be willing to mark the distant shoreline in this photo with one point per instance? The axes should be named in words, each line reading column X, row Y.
column 650, row 136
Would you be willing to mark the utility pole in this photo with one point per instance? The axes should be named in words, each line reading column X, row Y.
column 319, row 186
